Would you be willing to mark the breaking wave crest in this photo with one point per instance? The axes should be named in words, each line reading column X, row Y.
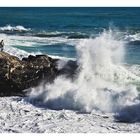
column 103, row 83
column 18, row 28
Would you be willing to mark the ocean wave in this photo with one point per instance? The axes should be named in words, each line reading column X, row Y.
column 18, row 52
column 132, row 37
column 18, row 45
column 68, row 35
column 62, row 58
column 10, row 29
column 102, row 83
column 11, row 41
column 32, row 41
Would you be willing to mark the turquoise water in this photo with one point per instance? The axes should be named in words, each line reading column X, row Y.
column 56, row 31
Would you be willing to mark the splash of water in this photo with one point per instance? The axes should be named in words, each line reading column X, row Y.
column 102, row 83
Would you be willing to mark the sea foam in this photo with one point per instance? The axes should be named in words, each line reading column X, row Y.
column 17, row 28
column 102, row 83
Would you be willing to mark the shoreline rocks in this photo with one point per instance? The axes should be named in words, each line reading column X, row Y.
column 17, row 75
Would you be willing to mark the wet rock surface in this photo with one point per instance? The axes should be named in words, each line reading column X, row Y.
column 17, row 75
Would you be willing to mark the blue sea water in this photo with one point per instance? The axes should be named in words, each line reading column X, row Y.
column 56, row 31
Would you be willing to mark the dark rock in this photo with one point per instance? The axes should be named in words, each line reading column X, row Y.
column 70, row 69
column 18, row 75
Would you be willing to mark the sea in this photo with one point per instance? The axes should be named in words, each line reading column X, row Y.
column 105, row 42
column 56, row 31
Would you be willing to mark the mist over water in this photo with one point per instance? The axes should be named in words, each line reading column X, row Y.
column 103, row 83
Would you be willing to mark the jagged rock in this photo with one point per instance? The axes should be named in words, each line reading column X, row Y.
column 17, row 75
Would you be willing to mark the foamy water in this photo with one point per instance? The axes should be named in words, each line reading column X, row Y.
column 17, row 28
column 102, row 84
column 18, row 45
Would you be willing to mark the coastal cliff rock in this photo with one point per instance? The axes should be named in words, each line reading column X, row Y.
column 17, row 75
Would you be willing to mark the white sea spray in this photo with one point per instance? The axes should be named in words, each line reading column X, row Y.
column 102, row 83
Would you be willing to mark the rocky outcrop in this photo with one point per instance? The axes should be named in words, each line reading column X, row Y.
column 17, row 75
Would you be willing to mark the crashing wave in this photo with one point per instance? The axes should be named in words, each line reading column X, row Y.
column 102, row 83
column 17, row 28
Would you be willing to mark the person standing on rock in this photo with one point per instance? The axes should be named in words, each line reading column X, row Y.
column 2, row 45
